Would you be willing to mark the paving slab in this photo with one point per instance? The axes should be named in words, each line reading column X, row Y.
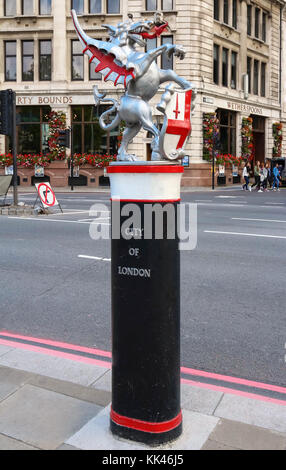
column 7, row 443
column 258, row 413
column 52, row 366
column 4, row 350
column 247, row 437
column 11, row 380
column 96, row 435
column 42, row 418
column 199, row 399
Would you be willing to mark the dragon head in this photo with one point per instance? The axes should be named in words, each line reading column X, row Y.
column 131, row 32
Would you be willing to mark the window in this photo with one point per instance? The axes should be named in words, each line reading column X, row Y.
column 33, row 129
column 233, row 69
column 224, row 67
column 263, row 79
column 255, row 77
column 249, row 20
column 234, row 14
column 264, row 26
column 257, row 22
column 77, row 61
column 216, row 9
column 167, row 4
column 95, row 6
column 10, row 8
column 93, row 75
column 27, row 7
column 113, row 6
column 167, row 62
column 88, row 137
column 225, row 11
column 216, row 64
column 227, row 127
column 78, row 6
column 45, row 7
column 45, row 60
column 27, row 61
column 151, row 5
column 249, row 73
column 10, row 61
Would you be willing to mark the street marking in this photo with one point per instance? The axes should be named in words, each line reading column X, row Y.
column 59, row 221
column 245, row 234
column 94, row 258
column 260, row 220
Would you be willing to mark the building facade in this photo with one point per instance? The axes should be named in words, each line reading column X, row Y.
column 235, row 56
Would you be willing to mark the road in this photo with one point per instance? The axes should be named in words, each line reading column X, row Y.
column 233, row 284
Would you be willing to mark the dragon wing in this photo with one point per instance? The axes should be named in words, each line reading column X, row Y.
column 110, row 60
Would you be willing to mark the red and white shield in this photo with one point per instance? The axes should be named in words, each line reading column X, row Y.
column 177, row 124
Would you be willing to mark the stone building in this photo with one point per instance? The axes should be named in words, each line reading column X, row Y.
column 236, row 54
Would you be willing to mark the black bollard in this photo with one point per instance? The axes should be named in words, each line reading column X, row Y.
column 145, row 302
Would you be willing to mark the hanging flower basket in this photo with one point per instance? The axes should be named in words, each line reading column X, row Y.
column 210, row 135
column 278, row 138
column 247, row 139
column 57, row 122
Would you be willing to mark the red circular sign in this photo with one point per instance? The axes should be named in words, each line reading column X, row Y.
column 46, row 193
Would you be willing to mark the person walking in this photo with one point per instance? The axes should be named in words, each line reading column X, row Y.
column 276, row 175
column 245, row 175
column 263, row 178
column 256, row 176
column 269, row 176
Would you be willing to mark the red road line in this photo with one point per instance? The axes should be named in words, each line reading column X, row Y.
column 58, row 344
column 232, row 391
column 98, row 352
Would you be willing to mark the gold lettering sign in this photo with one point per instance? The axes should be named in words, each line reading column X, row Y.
column 43, row 100
column 245, row 108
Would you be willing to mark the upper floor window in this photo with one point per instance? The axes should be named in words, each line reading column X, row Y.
column 249, row 20
column 226, row 11
column 113, row 6
column 257, row 23
column 154, row 5
column 27, row 7
column 95, row 6
column 27, row 61
column 45, row 7
column 77, row 61
column 10, row 8
column 78, row 6
column 10, row 48
column 45, row 62
column 167, row 62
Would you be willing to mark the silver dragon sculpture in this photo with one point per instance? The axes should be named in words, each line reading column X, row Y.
column 119, row 60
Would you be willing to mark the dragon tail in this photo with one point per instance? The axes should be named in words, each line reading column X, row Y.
column 100, row 98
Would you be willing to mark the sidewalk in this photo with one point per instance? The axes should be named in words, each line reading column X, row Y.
column 50, row 401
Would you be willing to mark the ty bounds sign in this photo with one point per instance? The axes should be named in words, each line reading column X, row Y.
column 46, row 195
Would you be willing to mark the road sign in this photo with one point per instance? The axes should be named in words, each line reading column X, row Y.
column 46, row 195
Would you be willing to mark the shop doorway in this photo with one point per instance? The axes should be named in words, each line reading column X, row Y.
column 258, row 139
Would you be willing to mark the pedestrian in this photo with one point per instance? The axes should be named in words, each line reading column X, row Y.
column 256, row 176
column 263, row 178
column 245, row 175
column 269, row 176
column 276, row 175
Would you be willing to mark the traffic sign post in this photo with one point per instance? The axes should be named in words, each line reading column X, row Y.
column 47, row 196
column 145, row 302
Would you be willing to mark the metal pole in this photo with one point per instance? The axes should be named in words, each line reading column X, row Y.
column 72, row 161
column 213, row 165
column 14, row 145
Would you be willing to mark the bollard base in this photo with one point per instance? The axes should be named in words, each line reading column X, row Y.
column 150, row 439
column 152, row 434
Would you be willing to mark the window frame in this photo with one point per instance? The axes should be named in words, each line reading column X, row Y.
column 27, row 55
column 5, row 9
column 44, row 55
column 45, row 14
column 72, row 57
column 22, row 8
column 5, row 62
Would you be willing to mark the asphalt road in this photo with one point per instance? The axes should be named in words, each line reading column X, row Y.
column 233, row 287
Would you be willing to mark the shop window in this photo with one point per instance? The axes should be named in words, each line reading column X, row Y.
column 45, row 7
column 88, row 137
column 32, row 129
column 45, row 60
column 27, row 61
column 227, row 127
column 10, row 8
column 10, row 61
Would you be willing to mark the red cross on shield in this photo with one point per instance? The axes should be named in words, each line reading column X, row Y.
column 177, row 127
